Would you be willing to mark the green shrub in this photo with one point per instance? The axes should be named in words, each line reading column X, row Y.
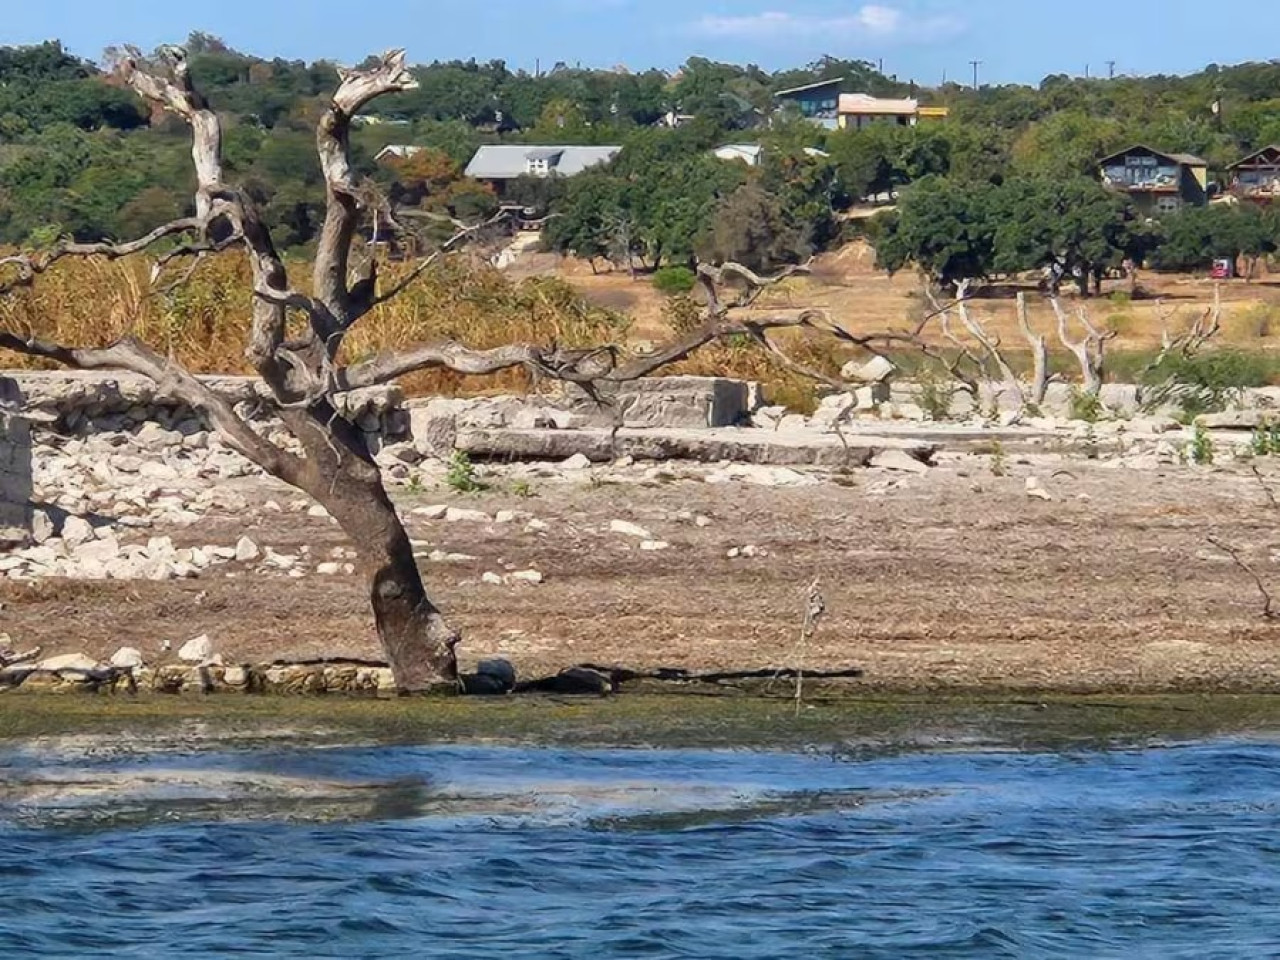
column 462, row 474
column 1085, row 406
column 674, row 281
column 1207, row 382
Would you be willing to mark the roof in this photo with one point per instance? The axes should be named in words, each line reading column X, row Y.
column 398, row 150
column 810, row 86
column 750, row 152
column 1185, row 159
column 509, row 161
column 861, row 103
column 1244, row 161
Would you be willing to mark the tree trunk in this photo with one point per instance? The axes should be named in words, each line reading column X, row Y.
column 418, row 642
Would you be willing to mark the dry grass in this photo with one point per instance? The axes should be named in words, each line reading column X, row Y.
column 204, row 324
column 552, row 299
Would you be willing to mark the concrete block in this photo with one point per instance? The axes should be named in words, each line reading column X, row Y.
column 15, row 462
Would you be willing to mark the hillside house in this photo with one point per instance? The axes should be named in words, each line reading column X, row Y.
column 817, row 102
column 1157, row 182
column 857, row 111
column 499, row 164
column 1256, row 178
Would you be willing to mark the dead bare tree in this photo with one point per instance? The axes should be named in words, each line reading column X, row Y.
column 1039, row 345
column 987, row 364
column 1192, row 340
column 1090, row 350
column 306, row 374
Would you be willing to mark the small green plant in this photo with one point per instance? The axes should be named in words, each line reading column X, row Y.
column 1200, row 449
column 461, row 475
column 414, row 484
column 674, row 281
column 1090, row 443
column 1085, row 406
column 1266, row 439
column 935, row 397
column 521, row 488
column 999, row 460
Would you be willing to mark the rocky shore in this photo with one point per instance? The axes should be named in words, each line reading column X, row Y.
column 1028, row 553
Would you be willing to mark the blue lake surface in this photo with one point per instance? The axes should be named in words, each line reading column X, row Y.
column 512, row 853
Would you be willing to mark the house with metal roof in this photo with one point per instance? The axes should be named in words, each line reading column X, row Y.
column 499, row 163
column 858, row 111
column 1256, row 178
column 1156, row 181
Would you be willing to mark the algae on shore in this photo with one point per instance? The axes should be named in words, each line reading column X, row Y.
column 848, row 724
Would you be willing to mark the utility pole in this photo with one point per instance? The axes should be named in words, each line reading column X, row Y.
column 1111, row 69
column 1086, row 71
column 880, row 66
column 975, row 64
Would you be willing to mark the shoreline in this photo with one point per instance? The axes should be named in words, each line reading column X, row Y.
column 867, row 722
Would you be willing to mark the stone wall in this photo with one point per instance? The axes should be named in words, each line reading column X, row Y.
column 15, row 464
column 76, row 403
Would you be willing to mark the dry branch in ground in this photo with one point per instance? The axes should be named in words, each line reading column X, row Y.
column 306, row 373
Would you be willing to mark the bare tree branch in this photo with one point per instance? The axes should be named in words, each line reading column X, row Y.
column 1269, row 611
column 1039, row 352
column 357, row 88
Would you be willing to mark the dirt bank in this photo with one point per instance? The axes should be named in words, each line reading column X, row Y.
column 956, row 579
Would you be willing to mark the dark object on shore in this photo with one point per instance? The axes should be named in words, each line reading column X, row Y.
column 492, row 678
column 579, row 681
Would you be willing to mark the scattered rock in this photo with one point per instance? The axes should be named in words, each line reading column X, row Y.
column 527, row 576
column 1036, row 490
column 628, row 529
column 196, row 650
column 316, row 510
column 78, row 662
column 246, row 551
column 491, row 578
column 76, row 530
column 329, row 569
column 127, row 658
column 898, row 460
column 579, row 461
column 435, row 512
column 462, row 515
column 654, row 546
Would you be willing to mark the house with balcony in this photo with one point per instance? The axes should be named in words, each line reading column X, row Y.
column 498, row 164
column 857, row 111
column 817, row 102
column 1157, row 182
column 1256, row 178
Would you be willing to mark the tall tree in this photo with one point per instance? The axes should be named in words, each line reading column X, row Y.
column 296, row 343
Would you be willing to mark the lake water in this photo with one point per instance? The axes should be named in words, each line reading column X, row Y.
column 512, row 853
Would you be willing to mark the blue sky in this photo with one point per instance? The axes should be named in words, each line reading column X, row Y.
column 1018, row 40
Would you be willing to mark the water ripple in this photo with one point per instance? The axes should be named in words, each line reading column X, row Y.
column 476, row 853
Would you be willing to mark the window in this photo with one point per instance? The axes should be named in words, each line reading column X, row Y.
column 1168, row 204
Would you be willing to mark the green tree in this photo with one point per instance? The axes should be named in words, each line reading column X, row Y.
column 1197, row 236
column 943, row 228
column 752, row 227
column 1075, row 229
